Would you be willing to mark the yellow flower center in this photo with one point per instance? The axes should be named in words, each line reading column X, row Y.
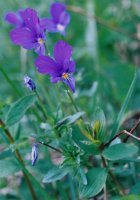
column 40, row 41
column 65, row 75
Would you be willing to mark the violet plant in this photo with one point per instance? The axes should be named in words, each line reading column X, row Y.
column 86, row 149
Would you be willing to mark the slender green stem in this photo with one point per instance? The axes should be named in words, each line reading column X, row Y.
column 59, row 98
column 18, row 156
column 46, row 49
column 47, row 98
column 41, row 105
column 71, row 98
column 10, row 81
column 77, row 110
column 51, row 147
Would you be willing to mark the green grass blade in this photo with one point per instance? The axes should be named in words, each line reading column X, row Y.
column 124, row 106
column 37, row 185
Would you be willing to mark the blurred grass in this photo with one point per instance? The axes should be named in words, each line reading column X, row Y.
column 102, row 55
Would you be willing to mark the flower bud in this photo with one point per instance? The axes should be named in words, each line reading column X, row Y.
column 34, row 154
column 29, row 83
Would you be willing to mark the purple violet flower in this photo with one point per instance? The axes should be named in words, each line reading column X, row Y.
column 32, row 35
column 19, row 19
column 60, row 19
column 29, row 83
column 15, row 18
column 34, row 154
column 61, row 67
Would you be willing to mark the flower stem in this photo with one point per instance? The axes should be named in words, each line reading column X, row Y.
column 72, row 100
column 46, row 49
column 77, row 110
column 113, row 177
column 18, row 156
column 41, row 105
column 51, row 147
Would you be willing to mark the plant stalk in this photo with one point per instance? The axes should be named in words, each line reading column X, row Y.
column 51, row 147
column 113, row 177
column 18, row 156
column 41, row 105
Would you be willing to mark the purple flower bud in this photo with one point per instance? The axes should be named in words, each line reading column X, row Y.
column 34, row 154
column 29, row 83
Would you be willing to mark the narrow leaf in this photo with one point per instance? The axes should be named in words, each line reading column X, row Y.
column 70, row 119
column 55, row 174
column 18, row 109
column 124, row 106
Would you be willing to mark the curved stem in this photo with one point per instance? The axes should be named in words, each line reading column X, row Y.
column 128, row 133
column 132, row 130
column 77, row 110
column 18, row 156
column 51, row 147
column 71, row 98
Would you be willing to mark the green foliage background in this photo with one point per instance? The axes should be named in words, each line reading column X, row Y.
column 106, row 55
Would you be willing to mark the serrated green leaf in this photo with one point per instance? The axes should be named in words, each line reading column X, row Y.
column 55, row 174
column 124, row 106
column 18, row 109
column 96, row 179
column 8, row 167
column 120, row 151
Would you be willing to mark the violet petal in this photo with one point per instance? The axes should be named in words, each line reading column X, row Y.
column 71, row 83
column 62, row 51
column 56, row 10
column 46, row 65
column 69, row 66
column 23, row 37
column 13, row 18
